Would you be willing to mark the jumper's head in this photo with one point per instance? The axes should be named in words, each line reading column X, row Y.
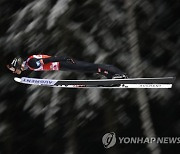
column 16, row 65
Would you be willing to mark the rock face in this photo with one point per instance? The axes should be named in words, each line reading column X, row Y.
column 142, row 38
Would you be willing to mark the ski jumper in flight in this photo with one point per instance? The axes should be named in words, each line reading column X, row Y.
column 50, row 63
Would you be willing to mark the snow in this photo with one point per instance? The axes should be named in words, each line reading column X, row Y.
column 59, row 9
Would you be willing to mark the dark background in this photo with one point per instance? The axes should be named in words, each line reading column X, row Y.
column 141, row 37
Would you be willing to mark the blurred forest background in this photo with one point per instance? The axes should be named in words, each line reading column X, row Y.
column 142, row 37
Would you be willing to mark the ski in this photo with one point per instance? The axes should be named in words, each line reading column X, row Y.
column 165, row 82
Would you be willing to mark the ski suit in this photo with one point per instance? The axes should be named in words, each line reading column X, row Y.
column 48, row 63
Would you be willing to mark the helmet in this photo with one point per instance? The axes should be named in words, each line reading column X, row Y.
column 16, row 63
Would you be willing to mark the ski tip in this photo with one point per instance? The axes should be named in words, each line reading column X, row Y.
column 17, row 79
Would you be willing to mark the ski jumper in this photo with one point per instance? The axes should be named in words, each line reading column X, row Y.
column 69, row 64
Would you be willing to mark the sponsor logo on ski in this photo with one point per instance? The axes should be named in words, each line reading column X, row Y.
column 37, row 81
column 150, row 85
